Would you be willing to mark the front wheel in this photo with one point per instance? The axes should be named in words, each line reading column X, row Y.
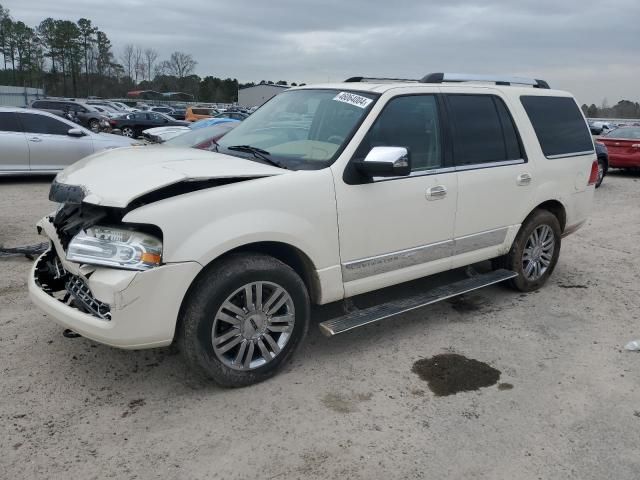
column 94, row 125
column 535, row 251
column 243, row 319
column 128, row 132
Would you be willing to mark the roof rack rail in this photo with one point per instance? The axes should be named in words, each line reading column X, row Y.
column 380, row 80
column 498, row 80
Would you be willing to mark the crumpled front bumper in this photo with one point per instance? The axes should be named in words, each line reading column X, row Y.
column 137, row 309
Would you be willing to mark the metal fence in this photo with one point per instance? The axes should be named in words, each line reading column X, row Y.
column 18, row 96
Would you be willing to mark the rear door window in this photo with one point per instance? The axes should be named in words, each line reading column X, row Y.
column 559, row 125
column 482, row 129
column 9, row 122
column 33, row 123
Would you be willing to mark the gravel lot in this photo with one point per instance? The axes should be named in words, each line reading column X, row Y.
column 351, row 406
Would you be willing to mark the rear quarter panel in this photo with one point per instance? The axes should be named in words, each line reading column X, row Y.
column 561, row 179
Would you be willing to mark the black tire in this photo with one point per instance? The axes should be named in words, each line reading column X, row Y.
column 128, row 132
column 514, row 259
column 94, row 125
column 206, row 297
column 602, row 171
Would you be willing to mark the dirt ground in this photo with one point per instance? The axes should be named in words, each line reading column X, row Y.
column 567, row 405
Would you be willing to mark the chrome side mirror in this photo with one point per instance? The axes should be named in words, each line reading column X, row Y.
column 386, row 162
column 75, row 132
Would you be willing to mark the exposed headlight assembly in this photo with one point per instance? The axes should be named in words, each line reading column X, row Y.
column 115, row 247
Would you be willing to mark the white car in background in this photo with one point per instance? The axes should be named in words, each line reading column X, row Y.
column 37, row 142
column 162, row 134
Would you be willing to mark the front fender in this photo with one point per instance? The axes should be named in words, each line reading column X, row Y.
column 297, row 209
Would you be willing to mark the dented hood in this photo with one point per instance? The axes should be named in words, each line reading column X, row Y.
column 116, row 177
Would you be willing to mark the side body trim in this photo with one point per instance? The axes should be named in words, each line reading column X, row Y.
column 367, row 267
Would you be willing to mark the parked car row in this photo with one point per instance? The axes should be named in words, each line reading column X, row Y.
column 618, row 147
column 195, row 113
column 132, row 124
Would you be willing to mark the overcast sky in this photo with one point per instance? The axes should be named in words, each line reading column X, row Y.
column 589, row 48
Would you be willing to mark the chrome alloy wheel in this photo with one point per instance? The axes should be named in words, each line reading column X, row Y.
column 538, row 252
column 253, row 325
column 600, row 173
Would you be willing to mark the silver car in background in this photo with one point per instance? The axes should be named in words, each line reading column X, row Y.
column 37, row 142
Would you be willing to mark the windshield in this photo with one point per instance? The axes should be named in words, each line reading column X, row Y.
column 302, row 129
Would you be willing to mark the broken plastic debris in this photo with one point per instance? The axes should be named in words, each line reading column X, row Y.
column 633, row 345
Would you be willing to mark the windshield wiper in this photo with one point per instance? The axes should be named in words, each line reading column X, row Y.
column 258, row 153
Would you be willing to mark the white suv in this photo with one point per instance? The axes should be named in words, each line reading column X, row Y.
column 325, row 192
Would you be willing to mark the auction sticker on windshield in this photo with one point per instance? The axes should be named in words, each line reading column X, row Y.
column 353, row 99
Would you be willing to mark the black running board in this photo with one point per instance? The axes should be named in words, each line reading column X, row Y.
column 376, row 313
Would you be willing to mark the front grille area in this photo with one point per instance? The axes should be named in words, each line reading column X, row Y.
column 55, row 280
column 81, row 294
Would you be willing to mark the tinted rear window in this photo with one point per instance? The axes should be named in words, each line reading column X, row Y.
column 483, row 131
column 559, row 125
column 9, row 122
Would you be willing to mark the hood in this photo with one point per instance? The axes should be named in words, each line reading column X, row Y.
column 116, row 177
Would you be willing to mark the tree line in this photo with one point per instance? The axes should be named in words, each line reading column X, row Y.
column 622, row 109
column 77, row 59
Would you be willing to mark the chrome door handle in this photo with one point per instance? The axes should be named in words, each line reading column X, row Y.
column 35, row 139
column 524, row 179
column 436, row 193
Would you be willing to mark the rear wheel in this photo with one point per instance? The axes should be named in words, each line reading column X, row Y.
column 244, row 319
column 128, row 132
column 534, row 252
column 602, row 171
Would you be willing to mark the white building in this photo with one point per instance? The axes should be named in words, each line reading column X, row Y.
column 258, row 94
column 18, row 96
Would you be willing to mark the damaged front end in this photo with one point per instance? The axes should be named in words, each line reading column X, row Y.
column 72, row 290
column 86, row 237
column 68, row 281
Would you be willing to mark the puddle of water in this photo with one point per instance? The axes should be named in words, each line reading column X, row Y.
column 450, row 373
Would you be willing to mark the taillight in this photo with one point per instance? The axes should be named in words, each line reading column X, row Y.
column 593, row 177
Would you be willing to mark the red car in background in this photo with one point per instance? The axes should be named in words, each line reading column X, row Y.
column 623, row 145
